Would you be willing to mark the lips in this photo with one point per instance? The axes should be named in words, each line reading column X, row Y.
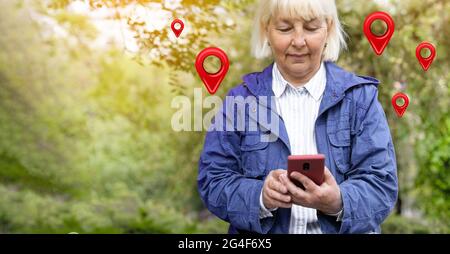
column 298, row 58
column 297, row 55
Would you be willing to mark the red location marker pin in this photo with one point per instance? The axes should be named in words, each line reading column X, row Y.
column 212, row 80
column 426, row 62
column 400, row 110
column 379, row 43
column 178, row 31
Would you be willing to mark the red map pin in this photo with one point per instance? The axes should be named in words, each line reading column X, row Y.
column 400, row 110
column 379, row 43
column 212, row 80
column 426, row 62
column 178, row 31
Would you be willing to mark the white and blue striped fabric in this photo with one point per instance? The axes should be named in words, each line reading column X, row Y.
column 299, row 108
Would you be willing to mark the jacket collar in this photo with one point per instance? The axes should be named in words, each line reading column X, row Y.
column 338, row 82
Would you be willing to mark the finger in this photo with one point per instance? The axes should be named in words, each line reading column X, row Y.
column 282, row 204
column 275, row 184
column 277, row 196
column 277, row 172
column 297, row 192
column 277, row 203
column 307, row 183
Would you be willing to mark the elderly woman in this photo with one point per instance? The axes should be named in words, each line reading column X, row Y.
column 321, row 109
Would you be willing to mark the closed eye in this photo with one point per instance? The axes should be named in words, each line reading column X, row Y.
column 311, row 29
column 284, row 30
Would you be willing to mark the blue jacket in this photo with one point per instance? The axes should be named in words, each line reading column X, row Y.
column 351, row 131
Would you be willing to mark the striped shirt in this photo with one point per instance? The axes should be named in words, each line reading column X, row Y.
column 299, row 108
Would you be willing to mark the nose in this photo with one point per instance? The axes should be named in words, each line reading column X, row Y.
column 298, row 39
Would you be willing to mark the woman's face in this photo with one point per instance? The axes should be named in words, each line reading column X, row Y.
column 297, row 47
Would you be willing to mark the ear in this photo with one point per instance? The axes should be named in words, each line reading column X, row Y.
column 266, row 33
column 266, row 30
column 330, row 25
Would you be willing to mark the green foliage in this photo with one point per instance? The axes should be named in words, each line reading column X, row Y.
column 434, row 178
column 24, row 211
column 402, row 225
column 202, row 18
column 85, row 141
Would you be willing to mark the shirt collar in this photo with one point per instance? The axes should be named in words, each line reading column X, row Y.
column 315, row 86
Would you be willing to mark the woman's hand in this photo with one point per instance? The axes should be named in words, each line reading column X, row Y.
column 325, row 198
column 274, row 193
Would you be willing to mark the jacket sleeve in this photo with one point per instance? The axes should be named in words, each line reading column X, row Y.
column 370, row 190
column 224, row 189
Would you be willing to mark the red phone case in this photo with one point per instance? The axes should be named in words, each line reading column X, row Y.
column 312, row 166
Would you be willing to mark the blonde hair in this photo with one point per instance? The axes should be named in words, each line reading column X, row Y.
column 304, row 9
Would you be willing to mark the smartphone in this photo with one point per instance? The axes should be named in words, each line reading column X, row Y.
column 312, row 166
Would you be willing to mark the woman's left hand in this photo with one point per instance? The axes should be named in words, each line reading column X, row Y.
column 325, row 198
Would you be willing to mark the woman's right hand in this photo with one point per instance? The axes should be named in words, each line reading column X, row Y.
column 274, row 193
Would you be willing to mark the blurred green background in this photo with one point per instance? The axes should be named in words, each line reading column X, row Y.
column 86, row 143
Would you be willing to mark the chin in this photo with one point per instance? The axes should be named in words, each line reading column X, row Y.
column 298, row 71
column 299, row 63
column 299, row 67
